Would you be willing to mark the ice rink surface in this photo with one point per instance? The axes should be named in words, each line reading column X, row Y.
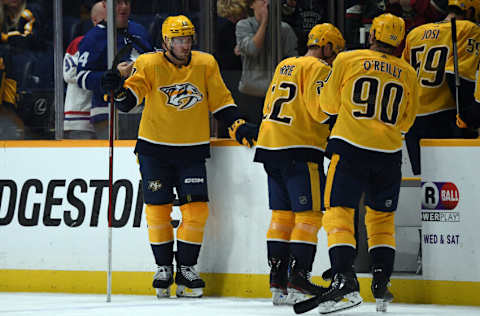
column 36, row 304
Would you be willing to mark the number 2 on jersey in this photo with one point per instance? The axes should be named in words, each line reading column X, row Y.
column 278, row 103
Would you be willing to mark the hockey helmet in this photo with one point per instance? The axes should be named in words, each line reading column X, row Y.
column 176, row 26
column 389, row 29
column 322, row 34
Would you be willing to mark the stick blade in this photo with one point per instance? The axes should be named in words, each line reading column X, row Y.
column 307, row 305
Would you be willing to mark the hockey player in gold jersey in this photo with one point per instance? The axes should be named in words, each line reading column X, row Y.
column 180, row 88
column 429, row 50
column 291, row 145
column 372, row 93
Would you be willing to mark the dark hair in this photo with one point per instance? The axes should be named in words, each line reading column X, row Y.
column 456, row 10
column 386, row 46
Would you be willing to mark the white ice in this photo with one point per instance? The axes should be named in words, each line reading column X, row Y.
column 36, row 304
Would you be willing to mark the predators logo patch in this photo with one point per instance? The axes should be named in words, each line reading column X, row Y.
column 182, row 96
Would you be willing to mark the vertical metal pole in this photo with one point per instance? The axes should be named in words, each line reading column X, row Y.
column 58, row 68
column 274, row 35
column 208, row 31
column 340, row 17
column 331, row 11
column 111, row 51
column 207, row 44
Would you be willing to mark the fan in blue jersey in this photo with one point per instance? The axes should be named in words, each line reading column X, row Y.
column 92, row 61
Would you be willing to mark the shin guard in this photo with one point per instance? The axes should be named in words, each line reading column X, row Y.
column 338, row 222
column 380, row 228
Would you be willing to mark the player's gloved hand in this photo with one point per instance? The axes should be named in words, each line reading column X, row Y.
column 112, row 81
column 245, row 133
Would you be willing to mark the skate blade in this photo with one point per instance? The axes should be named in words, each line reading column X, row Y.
column 382, row 304
column 163, row 293
column 183, row 291
column 296, row 296
column 349, row 301
column 279, row 297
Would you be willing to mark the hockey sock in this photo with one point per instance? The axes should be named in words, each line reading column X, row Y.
column 341, row 259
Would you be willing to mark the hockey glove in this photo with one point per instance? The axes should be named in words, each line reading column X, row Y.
column 245, row 133
column 112, row 81
column 470, row 117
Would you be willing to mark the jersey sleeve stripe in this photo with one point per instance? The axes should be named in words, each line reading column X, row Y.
column 224, row 107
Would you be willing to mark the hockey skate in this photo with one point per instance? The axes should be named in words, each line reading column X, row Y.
column 300, row 287
column 189, row 283
column 278, row 280
column 380, row 284
column 343, row 293
column 162, row 280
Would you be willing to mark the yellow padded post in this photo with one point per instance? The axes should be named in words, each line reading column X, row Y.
column 306, row 226
column 338, row 222
column 281, row 225
column 194, row 218
column 380, row 228
column 160, row 229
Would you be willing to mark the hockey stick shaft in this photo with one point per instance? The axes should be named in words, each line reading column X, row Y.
column 307, row 305
column 455, row 62
column 110, row 191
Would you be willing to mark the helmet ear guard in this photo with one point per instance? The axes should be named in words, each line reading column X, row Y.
column 388, row 29
column 322, row 34
column 177, row 26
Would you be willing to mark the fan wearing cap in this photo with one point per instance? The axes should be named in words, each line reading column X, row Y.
column 372, row 93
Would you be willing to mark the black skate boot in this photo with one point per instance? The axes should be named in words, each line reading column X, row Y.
column 380, row 284
column 300, row 287
column 343, row 293
column 189, row 283
column 327, row 275
column 162, row 280
column 278, row 280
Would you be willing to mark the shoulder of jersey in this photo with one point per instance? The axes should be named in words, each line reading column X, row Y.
column 135, row 26
column 348, row 55
column 202, row 57
column 97, row 34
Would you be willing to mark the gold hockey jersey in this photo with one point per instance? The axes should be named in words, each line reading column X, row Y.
column 178, row 99
column 428, row 49
column 293, row 125
column 374, row 95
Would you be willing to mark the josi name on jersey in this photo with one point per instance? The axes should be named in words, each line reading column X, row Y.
column 182, row 95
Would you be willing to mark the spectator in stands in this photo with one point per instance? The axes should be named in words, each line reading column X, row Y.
column 302, row 16
column 414, row 12
column 10, row 124
column 252, row 37
column 230, row 63
column 22, row 25
column 92, row 62
column 78, row 101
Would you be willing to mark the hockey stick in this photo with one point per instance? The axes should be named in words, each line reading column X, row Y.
column 123, row 51
column 453, row 22
column 307, row 305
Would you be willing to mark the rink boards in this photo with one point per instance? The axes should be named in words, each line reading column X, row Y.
column 53, row 223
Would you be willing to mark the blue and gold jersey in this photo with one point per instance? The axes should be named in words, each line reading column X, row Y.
column 428, row 48
column 293, row 126
column 178, row 100
column 374, row 95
